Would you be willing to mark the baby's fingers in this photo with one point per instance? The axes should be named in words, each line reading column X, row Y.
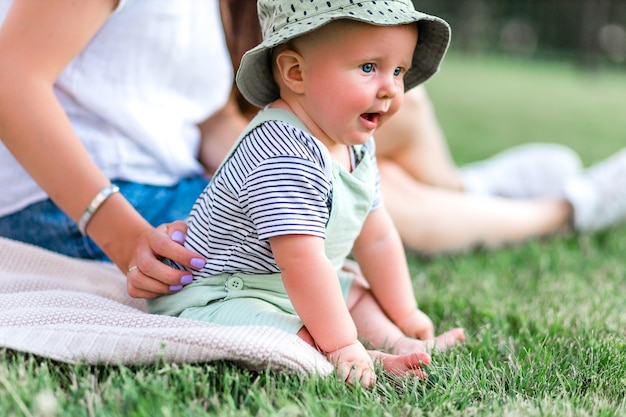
column 353, row 365
column 356, row 373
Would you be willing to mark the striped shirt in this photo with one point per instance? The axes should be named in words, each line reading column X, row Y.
column 276, row 182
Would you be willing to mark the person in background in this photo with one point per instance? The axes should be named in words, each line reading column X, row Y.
column 529, row 191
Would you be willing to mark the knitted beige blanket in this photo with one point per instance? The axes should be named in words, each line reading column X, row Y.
column 78, row 311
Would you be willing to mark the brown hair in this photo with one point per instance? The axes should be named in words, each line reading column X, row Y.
column 243, row 32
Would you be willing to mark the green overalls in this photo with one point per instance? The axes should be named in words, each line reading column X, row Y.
column 261, row 299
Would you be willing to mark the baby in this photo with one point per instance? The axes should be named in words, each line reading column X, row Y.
column 299, row 191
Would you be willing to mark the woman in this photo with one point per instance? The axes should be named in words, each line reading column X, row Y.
column 101, row 96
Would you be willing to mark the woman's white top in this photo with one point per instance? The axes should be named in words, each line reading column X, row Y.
column 136, row 93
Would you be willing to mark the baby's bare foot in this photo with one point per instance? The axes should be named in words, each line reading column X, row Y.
column 444, row 341
column 401, row 365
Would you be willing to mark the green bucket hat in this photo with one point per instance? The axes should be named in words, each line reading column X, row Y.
column 283, row 20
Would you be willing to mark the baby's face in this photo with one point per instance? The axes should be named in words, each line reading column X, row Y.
column 353, row 77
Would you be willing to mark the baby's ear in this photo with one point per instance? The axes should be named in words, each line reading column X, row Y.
column 288, row 70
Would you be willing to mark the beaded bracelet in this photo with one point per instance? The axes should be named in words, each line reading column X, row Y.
column 95, row 204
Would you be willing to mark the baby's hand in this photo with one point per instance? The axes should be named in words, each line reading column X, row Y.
column 417, row 325
column 354, row 364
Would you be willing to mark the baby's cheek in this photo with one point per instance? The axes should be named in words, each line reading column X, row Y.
column 396, row 103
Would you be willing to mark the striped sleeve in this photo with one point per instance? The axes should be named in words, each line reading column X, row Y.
column 288, row 191
column 286, row 195
column 276, row 182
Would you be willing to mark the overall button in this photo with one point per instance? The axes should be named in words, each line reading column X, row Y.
column 234, row 283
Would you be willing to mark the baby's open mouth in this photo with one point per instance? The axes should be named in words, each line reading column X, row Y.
column 370, row 117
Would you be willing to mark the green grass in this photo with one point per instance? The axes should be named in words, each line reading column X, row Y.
column 487, row 105
column 546, row 320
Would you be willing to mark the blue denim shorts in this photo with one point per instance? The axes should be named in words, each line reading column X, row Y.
column 44, row 224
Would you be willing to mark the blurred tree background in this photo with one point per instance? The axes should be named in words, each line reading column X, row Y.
column 588, row 33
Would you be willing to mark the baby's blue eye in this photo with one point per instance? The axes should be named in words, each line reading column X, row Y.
column 367, row 68
column 397, row 71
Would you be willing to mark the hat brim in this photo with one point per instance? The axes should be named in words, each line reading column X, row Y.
column 254, row 77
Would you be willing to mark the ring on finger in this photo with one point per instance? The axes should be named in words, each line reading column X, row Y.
column 131, row 269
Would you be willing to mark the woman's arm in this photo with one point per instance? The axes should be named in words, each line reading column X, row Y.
column 37, row 41
column 219, row 133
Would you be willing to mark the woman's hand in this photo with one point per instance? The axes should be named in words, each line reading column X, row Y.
column 148, row 276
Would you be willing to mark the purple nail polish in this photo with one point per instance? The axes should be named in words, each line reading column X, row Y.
column 186, row 279
column 198, row 263
column 178, row 236
column 176, row 287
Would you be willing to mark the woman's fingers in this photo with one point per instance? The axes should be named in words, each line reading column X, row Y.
column 154, row 272
column 169, row 245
